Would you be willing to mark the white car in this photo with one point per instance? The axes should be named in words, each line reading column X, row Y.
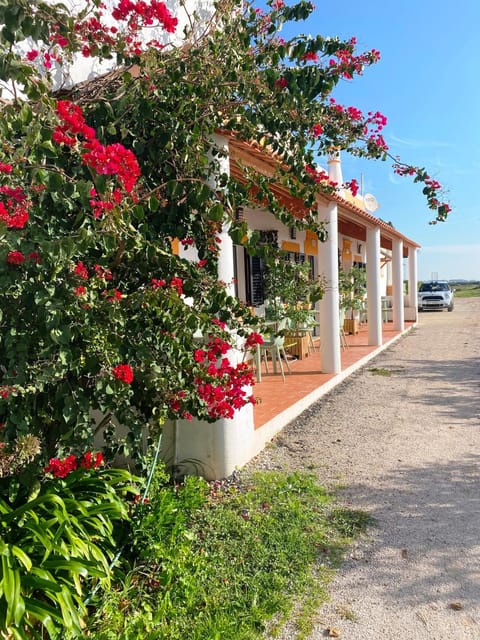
column 435, row 294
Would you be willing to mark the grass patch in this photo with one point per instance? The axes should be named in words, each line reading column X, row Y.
column 467, row 290
column 380, row 371
column 229, row 561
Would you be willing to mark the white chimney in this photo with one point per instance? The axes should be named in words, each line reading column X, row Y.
column 335, row 167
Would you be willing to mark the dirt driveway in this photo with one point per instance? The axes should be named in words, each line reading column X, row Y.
column 403, row 436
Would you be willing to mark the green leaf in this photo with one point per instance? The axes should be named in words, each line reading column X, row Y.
column 11, row 591
column 22, row 557
column 26, row 114
column 153, row 203
column 71, row 619
column 44, row 613
column 55, row 180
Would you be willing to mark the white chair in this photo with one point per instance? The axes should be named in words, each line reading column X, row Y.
column 343, row 337
column 273, row 346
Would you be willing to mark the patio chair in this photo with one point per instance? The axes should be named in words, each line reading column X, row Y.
column 274, row 346
column 306, row 329
column 343, row 337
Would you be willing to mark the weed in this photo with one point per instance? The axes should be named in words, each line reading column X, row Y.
column 344, row 611
column 380, row 371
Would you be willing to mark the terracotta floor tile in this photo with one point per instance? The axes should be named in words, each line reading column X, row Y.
column 273, row 395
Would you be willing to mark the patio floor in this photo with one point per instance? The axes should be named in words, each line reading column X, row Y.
column 307, row 383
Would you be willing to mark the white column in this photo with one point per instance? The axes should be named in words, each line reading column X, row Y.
column 412, row 284
column 374, row 296
column 329, row 312
column 397, row 285
column 226, row 255
column 222, row 446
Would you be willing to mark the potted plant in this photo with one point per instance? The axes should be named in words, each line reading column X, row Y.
column 352, row 286
column 290, row 293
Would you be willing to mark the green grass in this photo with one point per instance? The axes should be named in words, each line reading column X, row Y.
column 467, row 290
column 227, row 561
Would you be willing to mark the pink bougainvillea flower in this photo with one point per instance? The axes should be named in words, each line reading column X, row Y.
column 352, row 185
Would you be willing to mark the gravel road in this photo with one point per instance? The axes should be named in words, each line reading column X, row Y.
column 406, row 447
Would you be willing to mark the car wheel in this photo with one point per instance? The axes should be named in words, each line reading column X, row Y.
column 450, row 308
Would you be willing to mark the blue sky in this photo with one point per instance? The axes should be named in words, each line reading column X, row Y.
column 427, row 83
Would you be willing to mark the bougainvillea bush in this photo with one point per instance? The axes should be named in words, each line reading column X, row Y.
column 97, row 313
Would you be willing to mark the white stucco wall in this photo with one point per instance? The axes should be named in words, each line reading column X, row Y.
column 188, row 13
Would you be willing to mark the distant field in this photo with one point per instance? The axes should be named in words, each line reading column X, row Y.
column 470, row 290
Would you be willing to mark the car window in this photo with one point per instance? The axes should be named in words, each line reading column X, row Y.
column 434, row 286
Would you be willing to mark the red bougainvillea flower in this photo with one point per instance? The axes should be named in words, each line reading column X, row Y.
column 157, row 284
column 34, row 256
column 199, row 355
column 253, row 339
column 14, row 208
column 219, row 323
column 148, row 12
column 177, row 283
column 113, row 296
column 123, row 372
column 61, row 468
column 81, row 270
column 5, row 168
column 102, row 273
column 16, row 218
column 73, row 119
column 79, row 291
column 91, row 461
column 310, row 56
column 15, row 257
